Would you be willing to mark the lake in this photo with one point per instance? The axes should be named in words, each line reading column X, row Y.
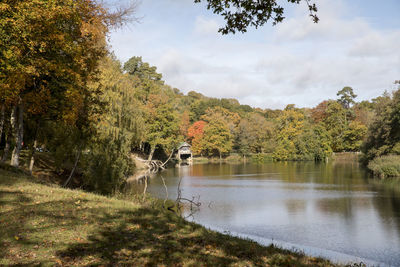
column 335, row 210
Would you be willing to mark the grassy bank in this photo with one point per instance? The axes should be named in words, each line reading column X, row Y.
column 47, row 225
column 385, row 166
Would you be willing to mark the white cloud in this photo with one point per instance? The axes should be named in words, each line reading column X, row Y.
column 295, row 62
column 206, row 26
column 376, row 44
column 332, row 25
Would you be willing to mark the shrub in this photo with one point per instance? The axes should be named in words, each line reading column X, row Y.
column 262, row 157
column 385, row 166
column 234, row 158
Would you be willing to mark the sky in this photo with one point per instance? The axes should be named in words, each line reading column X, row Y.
column 356, row 43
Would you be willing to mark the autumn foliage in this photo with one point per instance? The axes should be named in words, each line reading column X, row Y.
column 195, row 136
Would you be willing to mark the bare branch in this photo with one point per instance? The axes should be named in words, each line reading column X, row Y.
column 120, row 14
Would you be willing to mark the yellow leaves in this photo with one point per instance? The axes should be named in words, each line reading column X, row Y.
column 37, row 101
column 4, row 7
column 75, row 105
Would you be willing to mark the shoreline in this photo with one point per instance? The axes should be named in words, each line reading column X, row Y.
column 340, row 259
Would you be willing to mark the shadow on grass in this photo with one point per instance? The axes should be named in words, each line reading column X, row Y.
column 152, row 237
column 9, row 174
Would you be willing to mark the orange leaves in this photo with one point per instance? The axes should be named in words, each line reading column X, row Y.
column 318, row 113
column 184, row 124
column 196, row 130
column 195, row 134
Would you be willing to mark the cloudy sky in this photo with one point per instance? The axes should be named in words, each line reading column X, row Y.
column 356, row 43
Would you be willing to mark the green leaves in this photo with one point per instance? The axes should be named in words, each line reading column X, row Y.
column 384, row 132
column 347, row 97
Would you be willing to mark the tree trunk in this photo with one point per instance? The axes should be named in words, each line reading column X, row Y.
column 2, row 119
column 73, row 169
column 8, row 145
column 153, row 148
column 19, row 133
column 13, row 128
column 32, row 162
column 170, row 156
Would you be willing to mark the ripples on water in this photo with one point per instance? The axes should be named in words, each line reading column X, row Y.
column 334, row 210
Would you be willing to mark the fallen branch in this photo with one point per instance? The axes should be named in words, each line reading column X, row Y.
column 170, row 156
column 194, row 204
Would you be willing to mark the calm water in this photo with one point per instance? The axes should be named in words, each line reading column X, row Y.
column 334, row 210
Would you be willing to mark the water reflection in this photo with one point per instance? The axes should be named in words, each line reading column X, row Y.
column 332, row 209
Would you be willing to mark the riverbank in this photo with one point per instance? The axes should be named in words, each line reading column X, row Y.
column 385, row 166
column 236, row 159
column 43, row 224
column 269, row 157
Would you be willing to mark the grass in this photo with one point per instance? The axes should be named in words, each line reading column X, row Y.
column 385, row 166
column 43, row 224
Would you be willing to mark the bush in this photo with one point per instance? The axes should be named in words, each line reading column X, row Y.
column 385, row 166
column 262, row 157
column 106, row 168
column 234, row 158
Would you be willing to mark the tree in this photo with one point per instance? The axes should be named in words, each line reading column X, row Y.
column 318, row 114
column 335, row 123
column 298, row 139
column 364, row 112
column 289, row 126
column 231, row 119
column 383, row 135
column 117, row 128
column 253, row 134
column 52, row 49
column 241, row 14
column 347, row 97
column 353, row 136
column 135, row 66
column 162, row 124
column 184, row 124
column 195, row 134
column 217, row 138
